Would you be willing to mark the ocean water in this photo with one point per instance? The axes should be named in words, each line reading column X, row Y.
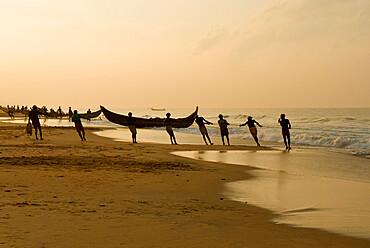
column 343, row 130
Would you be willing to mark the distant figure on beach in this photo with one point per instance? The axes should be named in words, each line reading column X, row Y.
column 131, row 123
column 11, row 113
column 88, row 113
column 26, row 111
column 33, row 116
column 60, row 112
column 76, row 118
column 167, row 123
column 252, row 128
column 52, row 112
column 223, row 127
column 285, row 125
column 70, row 113
column 202, row 128
column 44, row 110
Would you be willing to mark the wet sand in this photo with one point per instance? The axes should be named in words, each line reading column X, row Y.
column 62, row 192
column 307, row 188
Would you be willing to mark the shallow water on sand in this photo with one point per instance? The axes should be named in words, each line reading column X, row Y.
column 159, row 136
column 314, row 189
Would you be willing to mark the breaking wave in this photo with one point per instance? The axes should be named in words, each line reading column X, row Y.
column 331, row 128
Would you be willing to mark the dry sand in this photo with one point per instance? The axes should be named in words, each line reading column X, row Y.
column 62, row 192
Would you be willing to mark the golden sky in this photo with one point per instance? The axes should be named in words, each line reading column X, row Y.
column 182, row 53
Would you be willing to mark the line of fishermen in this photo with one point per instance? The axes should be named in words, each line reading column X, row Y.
column 223, row 124
column 201, row 122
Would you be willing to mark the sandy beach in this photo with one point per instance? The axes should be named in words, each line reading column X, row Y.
column 62, row 192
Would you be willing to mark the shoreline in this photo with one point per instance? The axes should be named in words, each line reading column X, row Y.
column 158, row 136
column 193, row 208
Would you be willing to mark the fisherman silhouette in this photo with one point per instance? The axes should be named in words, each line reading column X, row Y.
column 70, row 113
column 131, row 122
column 252, row 128
column 202, row 128
column 76, row 118
column 167, row 123
column 33, row 116
column 285, row 126
column 60, row 112
column 223, row 128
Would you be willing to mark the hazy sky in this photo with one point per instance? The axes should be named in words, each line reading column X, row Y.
column 182, row 53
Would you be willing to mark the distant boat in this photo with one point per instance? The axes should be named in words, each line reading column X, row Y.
column 84, row 115
column 157, row 109
column 151, row 122
column 92, row 114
